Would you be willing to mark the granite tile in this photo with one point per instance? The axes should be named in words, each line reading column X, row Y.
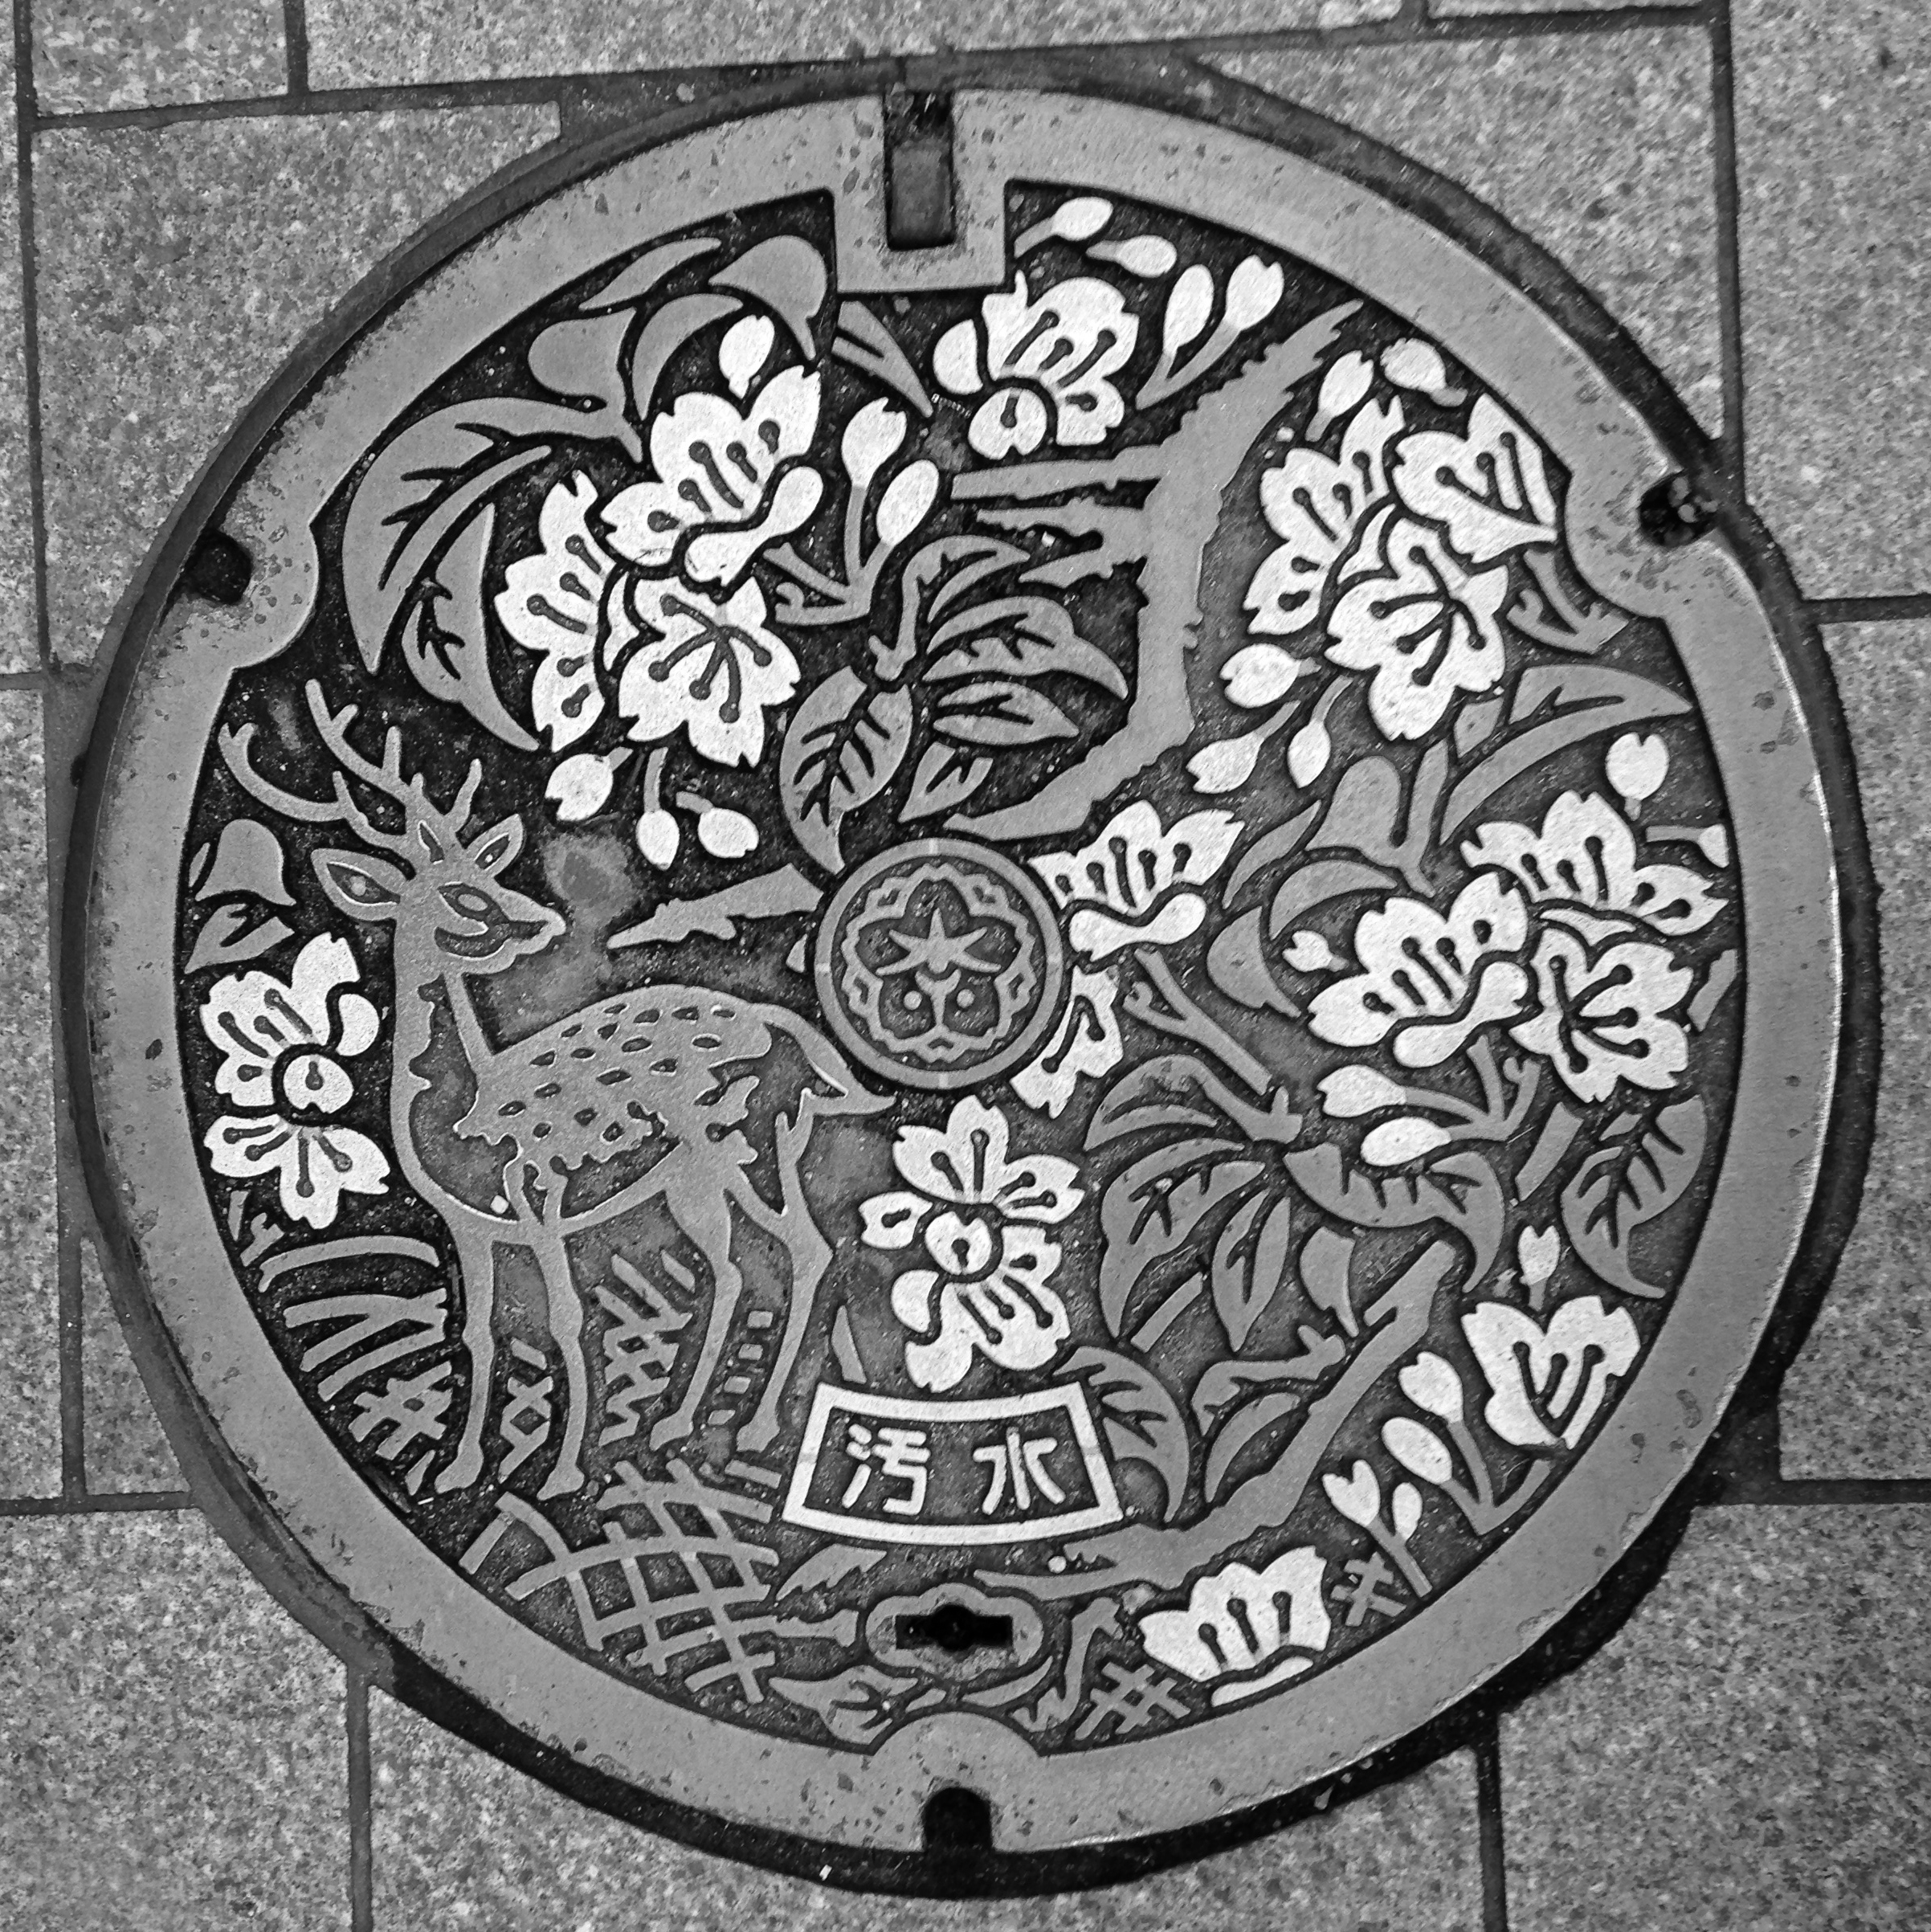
column 461, row 1839
column 1598, row 146
column 19, row 632
column 178, row 266
column 371, row 42
column 29, row 1362
column 102, row 54
column 1853, row 1403
column 1834, row 165
column 1448, row 10
column 1753, row 1749
column 174, row 1740
column 125, row 1447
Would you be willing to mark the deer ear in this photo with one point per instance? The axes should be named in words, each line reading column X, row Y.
column 494, row 849
column 364, row 888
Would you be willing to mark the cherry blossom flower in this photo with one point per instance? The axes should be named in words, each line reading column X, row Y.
column 1425, row 626
column 1049, row 363
column 979, row 1217
column 1129, row 886
column 1432, row 980
column 283, row 1043
column 1488, row 487
column 554, row 604
column 1231, row 1625
column 1546, row 1384
column 1582, row 869
column 1085, row 1045
column 1607, row 1015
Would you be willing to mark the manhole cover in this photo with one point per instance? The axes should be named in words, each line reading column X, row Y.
column 1041, row 1015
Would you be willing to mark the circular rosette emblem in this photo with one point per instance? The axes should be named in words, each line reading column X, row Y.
column 939, row 963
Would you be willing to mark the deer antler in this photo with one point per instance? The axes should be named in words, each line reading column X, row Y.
column 387, row 778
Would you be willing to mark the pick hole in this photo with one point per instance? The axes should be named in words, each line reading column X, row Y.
column 956, row 1820
column 1675, row 512
column 955, row 1629
column 219, row 569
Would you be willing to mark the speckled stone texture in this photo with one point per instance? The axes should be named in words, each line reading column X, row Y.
column 462, row 1839
column 19, row 635
column 30, row 1373
column 374, row 43
column 94, row 54
column 173, row 1741
column 1854, row 1404
column 125, row 1447
column 1834, row 165
column 178, row 267
column 1751, row 1751
column 1598, row 146
column 1445, row 10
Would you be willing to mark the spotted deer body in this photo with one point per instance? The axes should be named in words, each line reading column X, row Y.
column 654, row 1083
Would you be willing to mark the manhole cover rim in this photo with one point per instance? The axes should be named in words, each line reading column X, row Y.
column 149, row 1180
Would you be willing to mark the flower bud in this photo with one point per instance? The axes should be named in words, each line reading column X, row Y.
column 1258, row 675
column 1345, row 384
column 1188, row 306
column 1309, row 952
column 1082, row 218
column 1419, row 1450
column 725, row 834
column 1411, row 365
column 657, row 838
column 1430, row 1383
column 908, row 495
column 1714, row 843
column 580, row 787
column 1253, row 293
column 871, row 436
column 1394, row 1143
column 1537, row 1250
column 1349, row 1093
column 1308, row 751
column 1146, row 255
column 745, row 350
column 1358, row 1496
column 1226, row 764
column 1405, row 1508
column 1638, row 765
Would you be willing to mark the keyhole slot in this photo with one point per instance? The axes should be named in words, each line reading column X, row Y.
column 956, row 1630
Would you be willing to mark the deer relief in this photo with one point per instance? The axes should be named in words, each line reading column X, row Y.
column 644, row 1093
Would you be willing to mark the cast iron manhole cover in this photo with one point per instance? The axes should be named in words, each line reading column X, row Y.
column 1030, row 1015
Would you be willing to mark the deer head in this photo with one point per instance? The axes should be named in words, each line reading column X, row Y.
column 440, row 891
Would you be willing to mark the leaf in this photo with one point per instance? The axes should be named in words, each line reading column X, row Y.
column 222, row 942
column 946, row 776
column 1156, row 1206
column 1326, row 1264
column 857, row 1705
column 667, row 332
column 1178, row 1090
column 999, row 711
column 1461, row 1189
column 1228, row 1382
column 1278, row 843
column 1250, row 1262
column 1319, row 885
column 629, row 286
column 422, row 485
column 447, row 648
column 579, row 358
column 1019, row 637
column 1621, row 1188
column 843, row 745
column 1237, row 964
column 1143, row 1422
column 769, row 896
column 1581, row 700
column 787, row 274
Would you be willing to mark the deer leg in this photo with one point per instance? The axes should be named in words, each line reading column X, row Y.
column 705, row 1219
column 566, row 1331
column 476, row 1261
column 808, row 1254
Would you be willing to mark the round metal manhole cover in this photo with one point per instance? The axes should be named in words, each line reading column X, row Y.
column 1044, row 1014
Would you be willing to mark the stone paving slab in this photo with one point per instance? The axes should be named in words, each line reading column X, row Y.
column 1449, row 9
column 173, row 1741
column 126, row 1449
column 462, row 1839
column 178, row 267
column 1753, row 1749
column 1834, row 168
column 19, row 634
column 372, row 43
column 109, row 54
column 30, row 1374
column 1853, row 1404
column 1596, row 145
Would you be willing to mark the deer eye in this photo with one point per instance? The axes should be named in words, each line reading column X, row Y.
column 470, row 904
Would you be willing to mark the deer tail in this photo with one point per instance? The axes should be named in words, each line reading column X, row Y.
column 825, row 1061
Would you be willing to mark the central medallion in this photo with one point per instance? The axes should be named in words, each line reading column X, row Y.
column 940, row 963
column 1006, row 1015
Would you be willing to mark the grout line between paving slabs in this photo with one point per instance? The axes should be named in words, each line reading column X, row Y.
column 125, row 1502
column 361, row 1851
column 294, row 45
column 1489, row 1822
column 25, row 111
column 1730, row 266
column 1907, row 607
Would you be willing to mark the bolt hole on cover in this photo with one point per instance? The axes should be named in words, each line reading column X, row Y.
column 952, row 999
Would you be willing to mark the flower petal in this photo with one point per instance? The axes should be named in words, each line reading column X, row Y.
column 891, row 1220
